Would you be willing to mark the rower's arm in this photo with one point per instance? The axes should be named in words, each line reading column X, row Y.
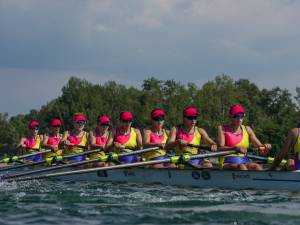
column 221, row 139
column 110, row 142
column 146, row 139
column 253, row 139
column 45, row 142
column 92, row 140
column 41, row 138
column 65, row 138
column 21, row 143
column 21, row 147
column 208, row 140
column 263, row 149
column 288, row 144
column 171, row 143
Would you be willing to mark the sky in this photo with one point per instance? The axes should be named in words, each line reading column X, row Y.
column 45, row 42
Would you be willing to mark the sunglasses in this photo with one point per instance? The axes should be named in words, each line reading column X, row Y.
column 81, row 122
column 159, row 118
column 238, row 116
column 56, row 126
column 34, row 128
column 191, row 117
column 127, row 121
column 104, row 124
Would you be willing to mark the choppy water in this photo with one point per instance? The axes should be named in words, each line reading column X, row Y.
column 57, row 202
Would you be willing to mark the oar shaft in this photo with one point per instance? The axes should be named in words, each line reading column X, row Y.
column 264, row 159
column 43, row 161
column 198, row 156
column 22, row 166
column 17, row 157
column 74, row 164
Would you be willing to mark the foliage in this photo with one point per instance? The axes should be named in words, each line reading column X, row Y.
column 270, row 112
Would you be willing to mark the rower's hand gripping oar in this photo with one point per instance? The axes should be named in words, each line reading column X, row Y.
column 173, row 159
column 49, row 160
column 15, row 158
column 110, row 157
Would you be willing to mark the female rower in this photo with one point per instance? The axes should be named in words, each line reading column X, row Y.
column 100, row 138
column 127, row 138
column 187, row 137
column 157, row 136
column 76, row 141
column 31, row 143
column 292, row 144
column 239, row 136
column 53, row 139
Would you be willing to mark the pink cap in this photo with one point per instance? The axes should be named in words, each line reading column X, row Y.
column 79, row 117
column 55, row 122
column 235, row 109
column 190, row 111
column 103, row 119
column 126, row 115
column 157, row 112
column 33, row 123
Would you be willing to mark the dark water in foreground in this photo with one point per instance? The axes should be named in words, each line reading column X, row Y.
column 57, row 202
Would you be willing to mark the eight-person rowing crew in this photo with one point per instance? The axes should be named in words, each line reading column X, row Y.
column 185, row 138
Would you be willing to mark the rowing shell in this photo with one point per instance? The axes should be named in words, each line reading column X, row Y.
column 202, row 178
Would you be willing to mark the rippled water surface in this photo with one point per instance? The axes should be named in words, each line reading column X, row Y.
column 57, row 202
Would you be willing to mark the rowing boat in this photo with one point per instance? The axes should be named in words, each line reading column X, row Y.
column 202, row 178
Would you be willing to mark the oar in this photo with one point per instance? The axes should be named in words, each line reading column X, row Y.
column 268, row 160
column 204, row 147
column 57, row 158
column 173, row 159
column 105, row 158
column 18, row 157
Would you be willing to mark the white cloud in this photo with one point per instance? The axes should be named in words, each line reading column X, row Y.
column 129, row 40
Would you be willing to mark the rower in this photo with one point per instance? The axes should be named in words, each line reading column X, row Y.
column 31, row 143
column 53, row 139
column 100, row 138
column 239, row 136
column 292, row 144
column 127, row 138
column 157, row 136
column 76, row 141
column 187, row 134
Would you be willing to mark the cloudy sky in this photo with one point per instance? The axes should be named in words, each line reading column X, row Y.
column 43, row 43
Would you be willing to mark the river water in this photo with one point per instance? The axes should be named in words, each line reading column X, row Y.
column 61, row 202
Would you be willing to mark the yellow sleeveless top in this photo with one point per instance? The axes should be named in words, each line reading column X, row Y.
column 59, row 152
column 244, row 143
column 159, row 152
column 130, row 143
column 36, row 146
column 189, row 150
column 297, row 147
column 77, row 149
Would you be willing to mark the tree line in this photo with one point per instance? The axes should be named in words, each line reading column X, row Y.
column 271, row 112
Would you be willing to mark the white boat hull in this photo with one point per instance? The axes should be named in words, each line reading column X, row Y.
column 197, row 178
